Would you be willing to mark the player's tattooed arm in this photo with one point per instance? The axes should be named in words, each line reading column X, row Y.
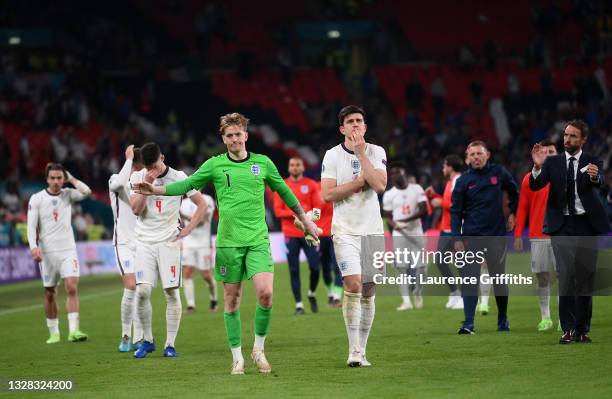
column 309, row 225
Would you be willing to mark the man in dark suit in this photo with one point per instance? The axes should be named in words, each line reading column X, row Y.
column 575, row 216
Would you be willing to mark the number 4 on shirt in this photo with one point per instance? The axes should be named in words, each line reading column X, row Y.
column 158, row 205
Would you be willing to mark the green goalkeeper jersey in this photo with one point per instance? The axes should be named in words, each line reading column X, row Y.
column 240, row 188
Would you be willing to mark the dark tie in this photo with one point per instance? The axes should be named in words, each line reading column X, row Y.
column 571, row 187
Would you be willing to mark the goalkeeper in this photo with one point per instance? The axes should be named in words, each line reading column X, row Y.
column 243, row 245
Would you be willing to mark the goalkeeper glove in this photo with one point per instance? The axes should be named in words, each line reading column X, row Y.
column 314, row 215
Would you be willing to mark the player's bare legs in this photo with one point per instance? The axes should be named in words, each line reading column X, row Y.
column 212, row 287
column 71, row 285
column 263, row 283
column 50, row 305
column 232, row 294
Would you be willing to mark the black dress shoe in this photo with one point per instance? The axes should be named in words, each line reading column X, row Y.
column 567, row 337
column 582, row 338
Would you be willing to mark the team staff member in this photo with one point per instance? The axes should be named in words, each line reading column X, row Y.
column 308, row 194
column 451, row 169
column 574, row 208
column 477, row 210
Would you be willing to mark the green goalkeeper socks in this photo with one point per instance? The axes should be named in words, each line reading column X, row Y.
column 233, row 328
column 262, row 320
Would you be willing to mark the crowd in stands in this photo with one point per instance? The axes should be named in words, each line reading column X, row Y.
column 65, row 104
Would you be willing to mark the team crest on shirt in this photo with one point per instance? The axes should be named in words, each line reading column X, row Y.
column 304, row 189
column 494, row 180
column 343, row 266
column 223, row 270
column 255, row 169
column 54, row 202
column 355, row 164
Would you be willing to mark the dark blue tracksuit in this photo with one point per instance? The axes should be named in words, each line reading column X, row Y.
column 477, row 211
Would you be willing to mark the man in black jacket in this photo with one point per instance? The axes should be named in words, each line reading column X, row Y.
column 477, row 215
column 575, row 216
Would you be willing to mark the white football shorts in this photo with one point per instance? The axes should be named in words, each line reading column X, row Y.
column 58, row 264
column 163, row 259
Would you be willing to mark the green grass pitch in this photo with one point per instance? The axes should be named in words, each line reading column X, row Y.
column 415, row 354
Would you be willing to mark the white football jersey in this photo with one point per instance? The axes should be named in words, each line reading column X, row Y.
column 200, row 235
column 358, row 214
column 403, row 204
column 125, row 220
column 160, row 220
column 50, row 220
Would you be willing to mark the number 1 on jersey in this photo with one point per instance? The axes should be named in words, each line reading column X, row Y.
column 228, row 179
column 158, row 205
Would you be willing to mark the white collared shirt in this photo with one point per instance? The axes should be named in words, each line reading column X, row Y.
column 577, row 203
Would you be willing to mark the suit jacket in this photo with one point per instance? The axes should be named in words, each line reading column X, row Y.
column 554, row 171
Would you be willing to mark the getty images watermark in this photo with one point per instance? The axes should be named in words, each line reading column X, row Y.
column 411, row 260
column 404, row 258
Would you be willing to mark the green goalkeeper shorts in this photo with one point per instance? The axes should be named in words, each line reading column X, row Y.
column 234, row 264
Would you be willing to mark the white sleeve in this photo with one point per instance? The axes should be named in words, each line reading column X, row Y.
column 211, row 203
column 187, row 209
column 387, row 202
column 117, row 182
column 328, row 167
column 80, row 192
column 421, row 194
column 380, row 158
column 33, row 206
column 135, row 179
column 182, row 176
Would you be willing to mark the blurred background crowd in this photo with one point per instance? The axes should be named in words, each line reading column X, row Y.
column 80, row 82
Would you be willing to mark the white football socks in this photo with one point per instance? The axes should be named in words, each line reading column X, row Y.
column 53, row 325
column 258, row 345
column 368, row 310
column 189, row 292
column 145, row 311
column 212, row 286
column 127, row 312
column 544, row 301
column 237, row 354
column 73, row 321
column 351, row 310
column 174, row 310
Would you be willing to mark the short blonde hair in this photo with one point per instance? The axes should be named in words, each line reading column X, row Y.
column 234, row 118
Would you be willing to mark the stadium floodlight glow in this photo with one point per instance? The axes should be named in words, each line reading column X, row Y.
column 333, row 34
column 14, row 40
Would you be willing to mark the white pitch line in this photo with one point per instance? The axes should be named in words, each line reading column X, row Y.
column 33, row 307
